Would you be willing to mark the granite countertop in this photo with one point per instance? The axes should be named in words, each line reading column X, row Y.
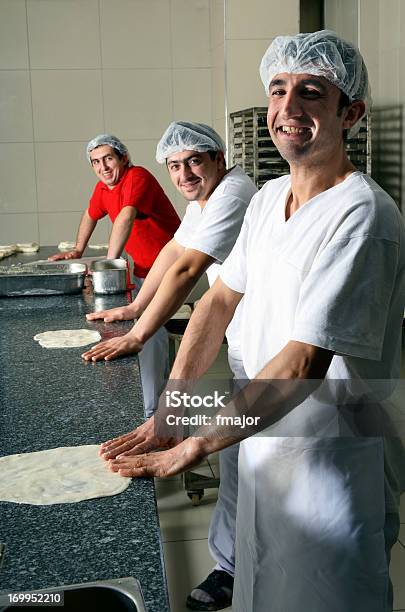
column 50, row 398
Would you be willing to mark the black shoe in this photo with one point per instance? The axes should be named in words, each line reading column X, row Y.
column 214, row 585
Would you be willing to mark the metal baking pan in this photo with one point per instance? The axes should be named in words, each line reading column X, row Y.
column 42, row 279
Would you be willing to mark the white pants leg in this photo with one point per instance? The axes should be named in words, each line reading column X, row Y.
column 153, row 365
column 221, row 535
column 154, row 369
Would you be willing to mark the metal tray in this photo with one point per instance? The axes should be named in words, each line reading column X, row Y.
column 42, row 279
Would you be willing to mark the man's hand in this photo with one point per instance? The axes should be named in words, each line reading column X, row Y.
column 75, row 254
column 181, row 458
column 113, row 348
column 140, row 440
column 122, row 313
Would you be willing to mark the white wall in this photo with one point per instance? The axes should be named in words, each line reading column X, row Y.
column 250, row 28
column 378, row 28
column 70, row 69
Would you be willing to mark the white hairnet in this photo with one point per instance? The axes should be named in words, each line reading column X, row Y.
column 107, row 139
column 321, row 53
column 184, row 136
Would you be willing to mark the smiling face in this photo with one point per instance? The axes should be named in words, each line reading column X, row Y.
column 107, row 165
column 195, row 174
column 304, row 120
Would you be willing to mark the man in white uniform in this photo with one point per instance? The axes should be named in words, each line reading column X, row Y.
column 194, row 155
column 320, row 261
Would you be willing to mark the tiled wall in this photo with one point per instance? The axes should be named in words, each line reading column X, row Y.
column 250, row 28
column 218, row 75
column 378, row 28
column 70, row 69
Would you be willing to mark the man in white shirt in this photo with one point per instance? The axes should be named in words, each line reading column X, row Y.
column 320, row 261
column 194, row 155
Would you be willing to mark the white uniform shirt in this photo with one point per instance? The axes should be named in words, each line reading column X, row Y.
column 214, row 229
column 331, row 276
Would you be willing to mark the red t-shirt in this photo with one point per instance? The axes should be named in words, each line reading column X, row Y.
column 156, row 220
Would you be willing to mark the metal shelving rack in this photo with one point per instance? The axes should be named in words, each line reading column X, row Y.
column 252, row 148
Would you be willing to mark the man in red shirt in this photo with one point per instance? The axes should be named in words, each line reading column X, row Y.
column 143, row 218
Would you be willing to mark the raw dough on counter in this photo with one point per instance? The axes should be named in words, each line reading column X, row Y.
column 7, row 250
column 69, row 246
column 27, row 247
column 67, row 338
column 98, row 247
column 66, row 246
column 62, row 475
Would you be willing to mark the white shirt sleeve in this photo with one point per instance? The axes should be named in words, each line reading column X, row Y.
column 234, row 270
column 216, row 229
column 344, row 301
column 187, row 225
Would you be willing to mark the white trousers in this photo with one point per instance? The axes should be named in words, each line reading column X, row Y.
column 222, row 531
column 153, row 365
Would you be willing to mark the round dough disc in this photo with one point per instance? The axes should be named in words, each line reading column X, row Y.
column 58, row 476
column 67, row 338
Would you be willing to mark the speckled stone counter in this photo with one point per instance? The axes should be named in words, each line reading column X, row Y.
column 50, row 398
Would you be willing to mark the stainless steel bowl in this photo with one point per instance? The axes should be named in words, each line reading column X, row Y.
column 109, row 276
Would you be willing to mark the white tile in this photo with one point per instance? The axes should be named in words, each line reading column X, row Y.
column 397, row 572
column 19, row 228
column 217, row 22
column 343, row 21
column 244, row 87
column 66, row 104
column 143, row 108
column 64, row 34
column 187, row 564
column 15, row 106
column 13, row 35
column 261, row 18
column 218, row 92
column 137, row 35
column 17, row 178
column 190, row 22
column 143, row 154
column 55, row 227
column 192, row 95
column 219, row 126
column 218, row 56
column 390, row 24
column 65, row 178
column 389, row 83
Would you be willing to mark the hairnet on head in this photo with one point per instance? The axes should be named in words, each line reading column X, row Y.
column 107, row 139
column 321, row 53
column 184, row 136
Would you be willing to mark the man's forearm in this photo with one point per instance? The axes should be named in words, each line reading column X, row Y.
column 283, row 384
column 86, row 228
column 173, row 290
column 120, row 232
column 166, row 258
column 198, row 348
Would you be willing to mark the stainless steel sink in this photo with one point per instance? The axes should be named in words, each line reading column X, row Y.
column 118, row 595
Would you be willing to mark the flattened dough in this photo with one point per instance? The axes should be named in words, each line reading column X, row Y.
column 58, row 476
column 67, row 338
